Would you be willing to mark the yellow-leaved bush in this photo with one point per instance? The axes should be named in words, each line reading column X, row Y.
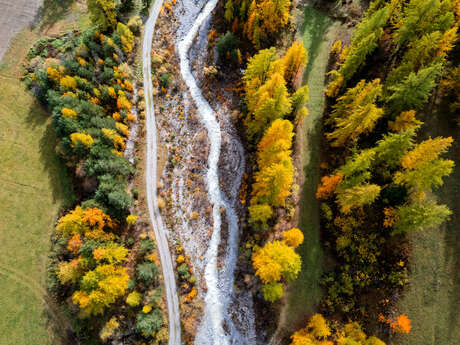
column 277, row 262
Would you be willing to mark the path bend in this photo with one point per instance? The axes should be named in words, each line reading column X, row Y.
column 151, row 182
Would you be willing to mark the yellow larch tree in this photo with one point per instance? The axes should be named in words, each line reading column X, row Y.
column 273, row 184
column 294, row 61
column 275, row 261
column 276, row 143
column 270, row 102
column 357, row 196
column 356, row 113
column 425, row 152
column 112, row 253
column 404, row 121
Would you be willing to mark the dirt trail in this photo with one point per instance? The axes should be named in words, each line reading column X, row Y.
column 14, row 16
column 151, row 184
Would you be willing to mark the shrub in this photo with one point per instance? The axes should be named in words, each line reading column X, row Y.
column 183, row 271
column 134, row 299
column 227, row 47
column 147, row 272
column 165, row 79
column 273, row 291
column 147, row 324
column 135, row 24
column 132, row 219
column 155, row 296
column 146, row 246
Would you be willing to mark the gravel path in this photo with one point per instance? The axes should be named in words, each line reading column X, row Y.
column 151, row 176
column 14, row 16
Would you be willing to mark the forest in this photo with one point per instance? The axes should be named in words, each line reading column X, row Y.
column 184, row 129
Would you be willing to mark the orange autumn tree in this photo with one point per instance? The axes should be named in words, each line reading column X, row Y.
column 293, row 237
column 402, row 324
column 328, row 186
column 80, row 221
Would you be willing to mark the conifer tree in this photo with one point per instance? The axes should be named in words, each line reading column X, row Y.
column 257, row 71
column 357, row 168
column 414, row 91
column 103, row 13
column 390, row 149
column 360, row 95
column 404, row 121
column 420, row 215
column 423, row 170
column 266, row 18
column 294, row 61
column 425, row 177
column 363, row 43
column 356, row 113
column 431, row 48
column 273, row 184
column 276, row 144
column 357, row 196
column 425, row 152
column 270, row 102
column 299, row 102
column 228, row 15
column 275, row 173
column 422, row 17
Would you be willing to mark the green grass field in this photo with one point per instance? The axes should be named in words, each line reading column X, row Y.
column 306, row 289
column 317, row 32
column 432, row 300
column 32, row 180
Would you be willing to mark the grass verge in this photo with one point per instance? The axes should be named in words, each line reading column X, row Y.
column 317, row 32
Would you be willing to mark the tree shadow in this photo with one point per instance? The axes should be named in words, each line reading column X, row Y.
column 59, row 178
column 37, row 115
column 58, row 323
column 51, row 11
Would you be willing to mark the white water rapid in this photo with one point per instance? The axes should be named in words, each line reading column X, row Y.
column 219, row 296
